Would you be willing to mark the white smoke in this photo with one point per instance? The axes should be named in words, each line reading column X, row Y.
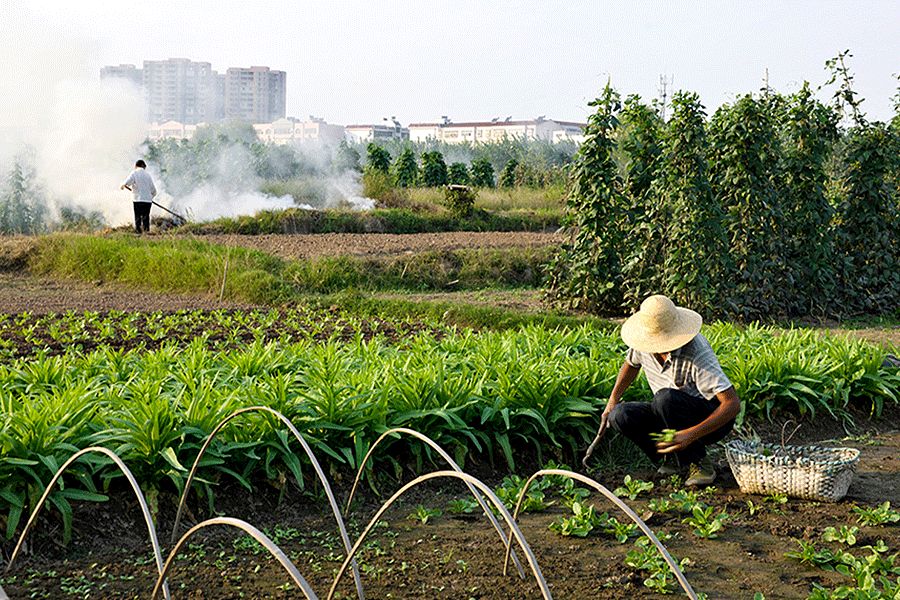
column 84, row 132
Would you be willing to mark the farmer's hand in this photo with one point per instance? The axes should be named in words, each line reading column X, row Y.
column 681, row 440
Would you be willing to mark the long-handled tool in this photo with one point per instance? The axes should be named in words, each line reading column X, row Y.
column 174, row 214
column 593, row 446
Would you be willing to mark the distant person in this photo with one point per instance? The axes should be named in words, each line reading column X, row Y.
column 141, row 186
column 691, row 394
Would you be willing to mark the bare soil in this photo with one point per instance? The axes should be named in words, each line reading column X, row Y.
column 20, row 292
column 383, row 244
column 456, row 557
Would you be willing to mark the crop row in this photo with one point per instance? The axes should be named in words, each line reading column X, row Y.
column 26, row 334
column 481, row 396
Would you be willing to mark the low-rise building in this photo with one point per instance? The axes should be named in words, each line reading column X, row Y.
column 171, row 130
column 495, row 131
column 371, row 133
column 294, row 131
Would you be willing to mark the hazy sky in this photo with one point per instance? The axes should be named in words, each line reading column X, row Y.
column 359, row 61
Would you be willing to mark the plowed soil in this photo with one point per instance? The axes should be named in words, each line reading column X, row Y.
column 383, row 244
column 20, row 292
column 458, row 557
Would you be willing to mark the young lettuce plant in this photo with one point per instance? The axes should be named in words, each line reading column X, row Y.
column 705, row 523
column 878, row 515
column 633, row 488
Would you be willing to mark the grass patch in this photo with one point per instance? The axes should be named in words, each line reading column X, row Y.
column 549, row 200
column 387, row 220
column 195, row 266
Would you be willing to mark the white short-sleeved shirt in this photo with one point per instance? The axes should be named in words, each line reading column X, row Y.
column 692, row 369
column 141, row 185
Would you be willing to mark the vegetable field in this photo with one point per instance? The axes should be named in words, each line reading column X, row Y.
column 152, row 386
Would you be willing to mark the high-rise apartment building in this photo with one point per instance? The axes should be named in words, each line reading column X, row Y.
column 180, row 90
column 255, row 94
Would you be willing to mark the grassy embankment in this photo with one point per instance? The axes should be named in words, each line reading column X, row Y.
column 195, row 266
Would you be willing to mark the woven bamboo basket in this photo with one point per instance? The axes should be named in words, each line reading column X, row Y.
column 811, row 472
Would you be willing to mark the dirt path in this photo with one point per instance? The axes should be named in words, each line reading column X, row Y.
column 381, row 244
column 40, row 295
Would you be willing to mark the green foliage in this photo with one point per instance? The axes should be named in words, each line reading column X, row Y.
column 508, row 174
column 587, row 271
column 845, row 535
column 766, row 209
column 377, row 158
column 705, row 523
column 460, row 199
column 868, row 218
column 633, row 488
column 691, row 219
column 423, row 514
column 878, row 515
column 405, row 170
column 23, row 203
column 482, row 173
column 809, row 131
column 346, row 158
column 645, row 557
column 744, row 159
column 434, row 169
column 458, row 174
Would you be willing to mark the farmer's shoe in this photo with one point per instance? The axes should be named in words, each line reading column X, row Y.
column 701, row 473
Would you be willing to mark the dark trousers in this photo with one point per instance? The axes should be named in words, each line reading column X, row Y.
column 142, row 216
column 670, row 409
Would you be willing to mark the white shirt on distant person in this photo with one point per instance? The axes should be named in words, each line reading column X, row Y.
column 141, row 185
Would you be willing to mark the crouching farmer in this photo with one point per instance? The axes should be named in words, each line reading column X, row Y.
column 691, row 394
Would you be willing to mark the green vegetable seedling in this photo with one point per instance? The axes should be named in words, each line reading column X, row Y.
column 666, row 435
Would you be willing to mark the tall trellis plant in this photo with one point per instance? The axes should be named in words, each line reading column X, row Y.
column 695, row 261
column 587, row 270
column 745, row 177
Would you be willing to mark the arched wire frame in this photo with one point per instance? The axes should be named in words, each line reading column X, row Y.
column 256, row 534
column 619, row 504
column 434, row 445
column 312, row 458
column 145, row 508
column 515, row 532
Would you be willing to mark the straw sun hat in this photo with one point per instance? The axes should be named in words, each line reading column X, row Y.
column 660, row 326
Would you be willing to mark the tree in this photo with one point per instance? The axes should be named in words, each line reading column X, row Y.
column 346, row 158
column 482, row 173
column 22, row 200
column 405, row 169
column 377, row 158
column 458, row 173
column 434, row 169
column 587, row 270
column 508, row 174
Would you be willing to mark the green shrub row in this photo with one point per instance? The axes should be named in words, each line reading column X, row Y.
column 484, row 397
column 773, row 207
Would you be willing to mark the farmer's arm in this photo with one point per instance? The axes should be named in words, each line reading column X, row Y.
column 729, row 406
column 627, row 374
column 126, row 185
